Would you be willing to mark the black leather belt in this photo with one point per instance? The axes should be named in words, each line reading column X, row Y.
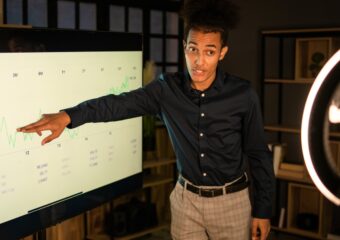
column 239, row 185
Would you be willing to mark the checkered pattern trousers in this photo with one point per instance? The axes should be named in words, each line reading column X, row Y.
column 225, row 217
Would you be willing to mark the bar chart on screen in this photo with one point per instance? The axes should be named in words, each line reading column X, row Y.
column 81, row 159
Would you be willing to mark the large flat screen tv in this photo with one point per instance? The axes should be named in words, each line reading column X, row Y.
column 43, row 71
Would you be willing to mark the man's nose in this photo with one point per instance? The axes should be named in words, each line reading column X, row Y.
column 199, row 59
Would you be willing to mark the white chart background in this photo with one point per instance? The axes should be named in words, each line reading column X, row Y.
column 82, row 159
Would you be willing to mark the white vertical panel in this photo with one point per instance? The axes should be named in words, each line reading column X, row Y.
column 156, row 49
column 14, row 12
column 171, row 69
column 135, row 20
column 66, row 14
column 37, row 13
column 156, row 22
column 117, row 18
column 87, row 16
column 172, row 23
column 172, row 50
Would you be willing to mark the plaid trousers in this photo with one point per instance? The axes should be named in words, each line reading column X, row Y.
column 225, row 217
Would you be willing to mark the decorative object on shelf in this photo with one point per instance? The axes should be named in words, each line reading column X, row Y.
column 307, row 221
column 282, row 218
column 315, row 66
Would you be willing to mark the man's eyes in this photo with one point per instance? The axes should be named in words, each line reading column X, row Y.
column 207, row 52
column 210, row 53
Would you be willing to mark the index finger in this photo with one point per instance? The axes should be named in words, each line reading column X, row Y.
column 38, row 128
column 32, row 125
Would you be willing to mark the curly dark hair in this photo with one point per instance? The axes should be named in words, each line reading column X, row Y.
column 210, row 16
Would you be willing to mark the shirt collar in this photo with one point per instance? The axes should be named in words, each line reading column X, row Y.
column 216, row 84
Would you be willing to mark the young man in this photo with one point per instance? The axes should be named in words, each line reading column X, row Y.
column 214, row 122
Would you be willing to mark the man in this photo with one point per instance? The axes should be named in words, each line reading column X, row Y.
column 214, row 122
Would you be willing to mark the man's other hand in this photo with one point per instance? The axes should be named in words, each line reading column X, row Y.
column 260, row 229
column 56, row 123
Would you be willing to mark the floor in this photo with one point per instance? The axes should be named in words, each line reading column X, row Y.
column 165, row 235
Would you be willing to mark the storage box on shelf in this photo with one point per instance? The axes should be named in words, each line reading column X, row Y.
column 290, row 61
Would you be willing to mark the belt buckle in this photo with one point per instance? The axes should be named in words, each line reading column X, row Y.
column 211, row 192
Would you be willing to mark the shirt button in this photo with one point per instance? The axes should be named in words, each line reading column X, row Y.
column 202, row 154
column 203, row 95
column 201, row 134
column 204, row 174
column 202, row 114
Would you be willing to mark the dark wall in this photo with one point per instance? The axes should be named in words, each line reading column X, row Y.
column 256, row 15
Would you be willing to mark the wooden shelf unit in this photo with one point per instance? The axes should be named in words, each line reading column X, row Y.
column 157, row 163
column 284, row 129
column 304, row 179
column 288, row 81
column 294, row 130
column 287, row 72
column 155, row 180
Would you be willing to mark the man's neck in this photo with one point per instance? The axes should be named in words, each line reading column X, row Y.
column 202, row 86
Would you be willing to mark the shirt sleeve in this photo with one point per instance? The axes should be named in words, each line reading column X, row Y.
column 260, row 159
column 112, row 107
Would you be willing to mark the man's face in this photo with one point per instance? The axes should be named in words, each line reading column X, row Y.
column 202, row 53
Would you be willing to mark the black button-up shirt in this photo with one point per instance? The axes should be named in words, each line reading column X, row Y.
column 213, row 132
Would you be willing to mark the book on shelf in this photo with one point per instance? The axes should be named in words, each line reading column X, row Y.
column 292, row 167
column 278, row 150
column 290, row 174
column 293, row 170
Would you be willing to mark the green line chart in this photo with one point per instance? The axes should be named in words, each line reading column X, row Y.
column 10, row 137
column 122, row 88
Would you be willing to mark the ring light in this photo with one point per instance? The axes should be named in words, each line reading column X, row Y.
column 318, row 112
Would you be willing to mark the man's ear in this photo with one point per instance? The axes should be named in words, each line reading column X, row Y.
column 184, row 44
column 224, row 51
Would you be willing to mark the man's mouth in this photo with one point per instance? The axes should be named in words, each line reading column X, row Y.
column 197, row 71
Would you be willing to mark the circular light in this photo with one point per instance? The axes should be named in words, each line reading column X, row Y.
column 313, row 131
